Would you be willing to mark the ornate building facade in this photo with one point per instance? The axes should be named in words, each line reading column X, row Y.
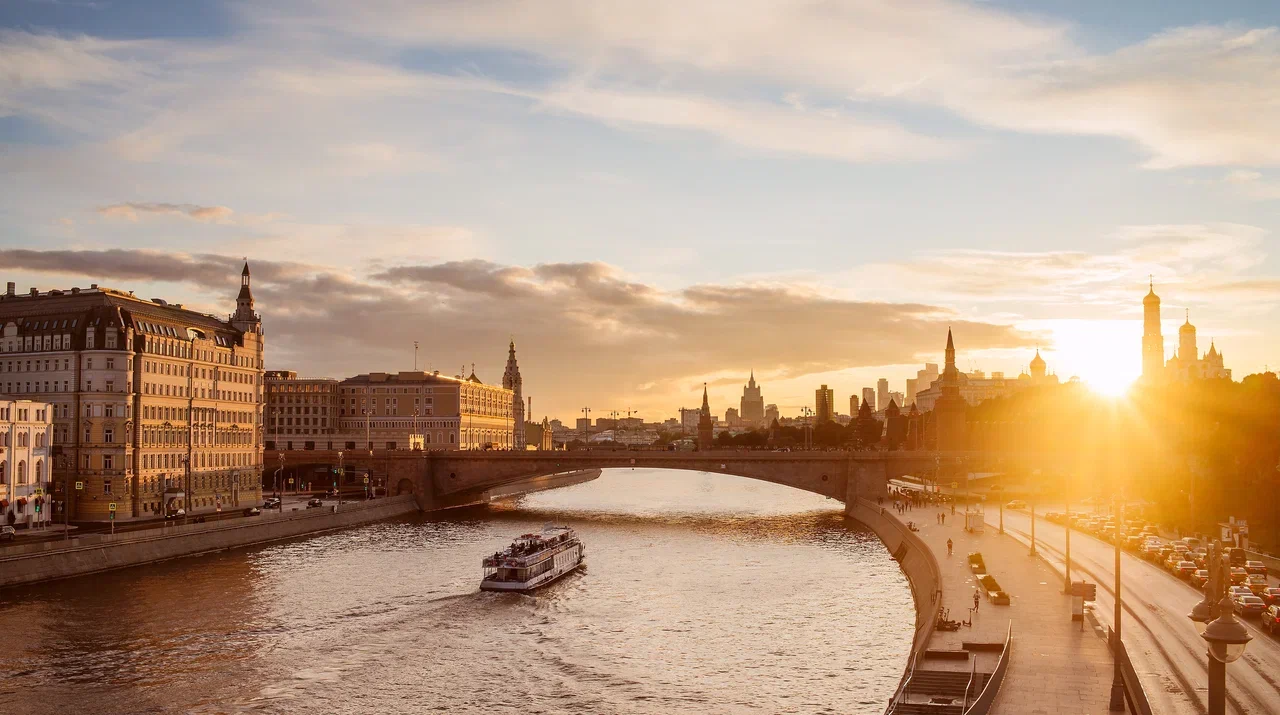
column 154, row 407
column 949, row 410
column 1186, row 363
column 26, row 432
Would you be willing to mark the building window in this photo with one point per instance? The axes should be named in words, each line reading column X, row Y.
column 108, row 461
column 108, row 436
column 111, row 363
column 106, row 486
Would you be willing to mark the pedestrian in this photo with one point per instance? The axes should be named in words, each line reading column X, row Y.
column 976, row 599
column 944, row 518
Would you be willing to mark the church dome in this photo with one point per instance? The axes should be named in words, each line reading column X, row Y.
column 1152, row 298
column 1038, row 362
column 1187, row 327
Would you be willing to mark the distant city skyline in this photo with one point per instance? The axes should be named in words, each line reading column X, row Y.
column 643, row 215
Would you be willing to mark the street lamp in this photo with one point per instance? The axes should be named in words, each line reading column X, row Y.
column 338, row 481
column 1117, row 679
column 1226, row 636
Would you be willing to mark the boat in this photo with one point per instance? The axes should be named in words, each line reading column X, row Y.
column 534, row 560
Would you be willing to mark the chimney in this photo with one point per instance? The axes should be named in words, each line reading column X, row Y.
column 93, row 286
column 34, row 291
column 529, row 415
column 12, row 288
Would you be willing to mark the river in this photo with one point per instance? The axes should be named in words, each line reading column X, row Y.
column 702, row 593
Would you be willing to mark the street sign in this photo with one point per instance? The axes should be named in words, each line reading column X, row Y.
column 1084, row 590
column 111, row 506
column 290, row 480
column 79, row 486
column 366, row 480
column 954, row 485
column 38, row 491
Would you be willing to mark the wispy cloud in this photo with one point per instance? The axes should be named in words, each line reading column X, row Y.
column 134, row 209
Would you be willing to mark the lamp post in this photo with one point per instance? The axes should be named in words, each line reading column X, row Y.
column 1117, row 678
column 586, row 427
column 339, row 479
column 1066, row 584
column 1226, row 637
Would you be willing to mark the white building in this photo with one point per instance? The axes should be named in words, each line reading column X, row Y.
column 26, row 429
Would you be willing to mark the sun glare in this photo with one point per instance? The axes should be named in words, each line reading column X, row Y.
column 1104, row 354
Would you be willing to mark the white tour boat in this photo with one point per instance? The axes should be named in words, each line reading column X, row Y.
column 534, row 560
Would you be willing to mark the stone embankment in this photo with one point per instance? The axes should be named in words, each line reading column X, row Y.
column 94, row 553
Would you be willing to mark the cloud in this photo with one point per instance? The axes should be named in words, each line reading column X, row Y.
column 756, row 125
column 583, row 330
column 132, row 210
column 1192, row 96
column 1252, row 185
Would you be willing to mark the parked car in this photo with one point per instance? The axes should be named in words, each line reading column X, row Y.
column 1185, row 569
column 7, row 533
column 1248, row 606
column 1271, row 596
column 1199, row 578
column 315, row 503
column 1016, row 504
column 252, row 511
column 1270, row 620
column 1255, row 567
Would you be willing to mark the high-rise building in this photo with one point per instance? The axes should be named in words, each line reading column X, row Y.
column 732, row 419
column 824, row 405
column 910, row 395
column 752, row 404
column 1152, row 339
column 155, row 407
column 882, row 394
column 771, row 414
column 511, row 381
column 869, row 398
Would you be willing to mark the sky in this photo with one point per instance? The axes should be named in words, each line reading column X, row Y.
column 646, row 195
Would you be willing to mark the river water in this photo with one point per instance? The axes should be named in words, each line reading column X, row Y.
column 702, row 593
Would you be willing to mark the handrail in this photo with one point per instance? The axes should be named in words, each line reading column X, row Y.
column 973, row 673
column 983, row 702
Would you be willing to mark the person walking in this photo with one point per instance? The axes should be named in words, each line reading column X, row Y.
column 976, row 599
column 944, row 518
column 949, row 547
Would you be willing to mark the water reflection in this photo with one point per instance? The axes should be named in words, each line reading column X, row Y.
column 702, row 593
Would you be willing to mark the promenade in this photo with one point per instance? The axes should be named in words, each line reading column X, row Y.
column 1056, row 668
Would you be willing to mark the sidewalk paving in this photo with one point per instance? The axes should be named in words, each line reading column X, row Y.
column 1056, row 668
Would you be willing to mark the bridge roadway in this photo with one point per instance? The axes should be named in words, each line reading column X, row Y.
column 1165, row 649
column 453, row 478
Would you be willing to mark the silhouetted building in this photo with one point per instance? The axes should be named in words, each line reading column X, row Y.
column 705, row 426
column 1187, row 365
column 948, row 411
column 867, row 429
column 731, row 418
column 869, row 397
column 824, row 404
column 752, row 404
column 882, row 394
column 895, row 426
column 771, row 414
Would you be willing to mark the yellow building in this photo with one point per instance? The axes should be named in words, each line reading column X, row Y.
column 154, row 406
column 385, row 410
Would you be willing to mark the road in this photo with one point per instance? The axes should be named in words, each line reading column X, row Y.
column 1163, row 644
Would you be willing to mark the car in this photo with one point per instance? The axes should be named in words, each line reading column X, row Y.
column 252, row 511
column 1270, row 619
column 271, row 503
column 1238, row 575
column 1255, row 567
column 1192, row 542
column 1199, row 578
column 176, row 514
column 7, row 533
column 315, row 503
column 1016, row 504
column 1184, row 569
column 332, row 493
column 1171, row 562
column 1239, row 591
column 1247, row 606
column 1133, row 542
column 1271, row 596
column 1150, row 529
column 1257, row 583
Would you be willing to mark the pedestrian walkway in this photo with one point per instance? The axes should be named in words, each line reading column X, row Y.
column 1056, row 668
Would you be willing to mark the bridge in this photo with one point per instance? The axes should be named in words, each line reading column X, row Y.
column 443, row 479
